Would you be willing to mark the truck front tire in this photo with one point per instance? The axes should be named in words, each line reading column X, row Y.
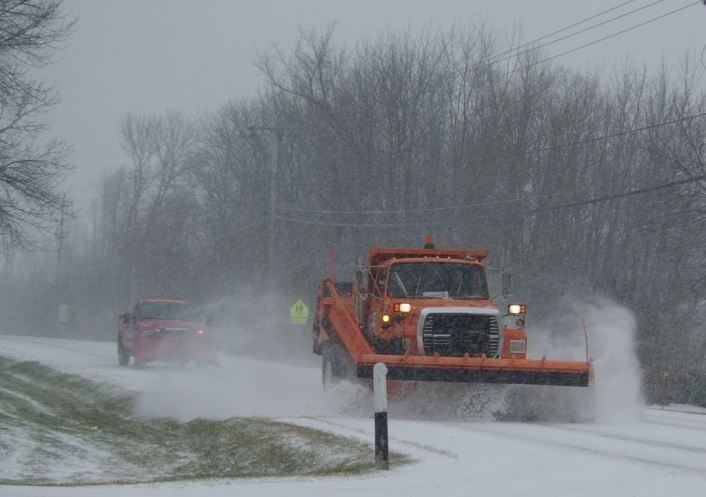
column 331, row 370
column 123, row 354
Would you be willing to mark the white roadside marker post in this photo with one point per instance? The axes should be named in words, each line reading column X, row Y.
column 382, row 460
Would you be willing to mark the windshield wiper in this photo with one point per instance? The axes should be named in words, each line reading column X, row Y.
column 398, row 282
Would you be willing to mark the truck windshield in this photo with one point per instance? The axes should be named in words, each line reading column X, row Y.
column 443, row 280
column 166, row 310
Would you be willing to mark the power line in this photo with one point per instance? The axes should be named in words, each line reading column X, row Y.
column 351, row 225
column 401, row 211
column 530, row 212
column 622, row 133
column 484, row 204
column 619, row 195
column 572, row 34
column 616, row 34
column 583, row 21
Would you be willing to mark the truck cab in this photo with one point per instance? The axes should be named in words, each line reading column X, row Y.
column 434, row 303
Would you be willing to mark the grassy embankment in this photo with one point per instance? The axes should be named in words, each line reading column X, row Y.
column 61, row 429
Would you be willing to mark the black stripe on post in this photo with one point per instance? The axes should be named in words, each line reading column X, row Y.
column 382, row 457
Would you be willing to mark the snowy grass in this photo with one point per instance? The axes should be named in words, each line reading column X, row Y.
column 61, row 429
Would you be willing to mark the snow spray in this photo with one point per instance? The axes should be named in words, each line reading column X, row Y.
column 611, row 332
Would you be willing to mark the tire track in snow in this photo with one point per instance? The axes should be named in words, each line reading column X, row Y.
column 633, row 439
column 694, row 421
column 86, row 348
column 368, row 435
column 659, row 462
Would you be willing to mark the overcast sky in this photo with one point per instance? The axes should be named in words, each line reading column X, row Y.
column 135, row 56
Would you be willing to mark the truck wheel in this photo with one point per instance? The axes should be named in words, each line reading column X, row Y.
column 123, row 355
column 330, row 367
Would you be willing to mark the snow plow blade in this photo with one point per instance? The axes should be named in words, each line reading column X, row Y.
column 479, row 370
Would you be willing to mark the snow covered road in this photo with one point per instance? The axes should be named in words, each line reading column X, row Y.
column 660, row 452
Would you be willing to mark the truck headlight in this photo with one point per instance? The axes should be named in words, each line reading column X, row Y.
column 403, row 308
column 517, row 308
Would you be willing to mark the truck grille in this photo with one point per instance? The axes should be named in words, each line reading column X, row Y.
column 455, row 334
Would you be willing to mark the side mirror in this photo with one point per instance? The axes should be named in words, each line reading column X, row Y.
column 360, row 274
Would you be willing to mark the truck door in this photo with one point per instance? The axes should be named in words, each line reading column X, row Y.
column 376, row 298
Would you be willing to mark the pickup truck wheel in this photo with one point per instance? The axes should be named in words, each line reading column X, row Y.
column 123, row 355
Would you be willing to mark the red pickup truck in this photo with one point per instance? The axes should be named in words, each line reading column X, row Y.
column 164, row 330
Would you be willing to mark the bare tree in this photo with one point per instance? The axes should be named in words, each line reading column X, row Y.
column 30, row 173
column 160, row 202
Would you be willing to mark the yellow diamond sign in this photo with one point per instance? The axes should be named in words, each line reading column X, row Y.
column 299, row 312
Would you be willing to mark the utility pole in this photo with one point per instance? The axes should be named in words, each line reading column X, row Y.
column 60, row 236
column 273, row 199
column 132, row 233
column 274, row 166
column 62, row 307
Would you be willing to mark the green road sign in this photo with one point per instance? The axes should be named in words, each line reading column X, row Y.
column 299, row 312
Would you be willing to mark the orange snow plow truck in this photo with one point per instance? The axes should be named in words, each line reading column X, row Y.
column 428, row 316
column 164, row 330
